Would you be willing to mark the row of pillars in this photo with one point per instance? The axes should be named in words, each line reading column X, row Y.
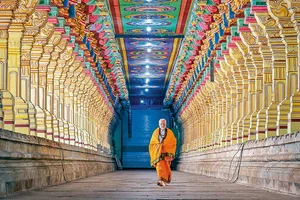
column 255, row 93
column 46, row 87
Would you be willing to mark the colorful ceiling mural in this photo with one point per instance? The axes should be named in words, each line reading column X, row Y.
column 149, row 33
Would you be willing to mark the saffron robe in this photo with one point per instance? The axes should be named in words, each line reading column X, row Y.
column 158, row 151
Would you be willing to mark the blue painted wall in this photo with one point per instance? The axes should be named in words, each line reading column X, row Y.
column 135, row 147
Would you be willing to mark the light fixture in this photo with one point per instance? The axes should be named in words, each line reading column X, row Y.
column 148, row 44
column 147, row 60
column 148, row 29
column 146, row 90
column 147, row 66
column 142, row 101
column 148, row 50
column 147, row 80
column 147, row 74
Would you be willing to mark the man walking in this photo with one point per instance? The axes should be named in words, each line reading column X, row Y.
column 162, row 150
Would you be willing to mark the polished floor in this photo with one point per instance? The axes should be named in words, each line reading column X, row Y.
column 141, row 184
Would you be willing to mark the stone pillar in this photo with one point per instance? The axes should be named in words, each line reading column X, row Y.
column 278, row 70
column 289, row 38
column 294, row 113
column 7, row 8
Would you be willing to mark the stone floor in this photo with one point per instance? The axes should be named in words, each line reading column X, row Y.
column 141, row 184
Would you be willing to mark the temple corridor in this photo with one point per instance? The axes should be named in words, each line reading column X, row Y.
column 84, row 85
column 141, row 184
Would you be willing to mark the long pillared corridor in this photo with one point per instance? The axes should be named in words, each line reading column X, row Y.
column 141, row 184
column 85, row 84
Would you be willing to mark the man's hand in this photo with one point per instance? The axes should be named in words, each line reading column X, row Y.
column 169, row 158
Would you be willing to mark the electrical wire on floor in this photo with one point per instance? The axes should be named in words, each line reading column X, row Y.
column 62, row 164
column 238, row 167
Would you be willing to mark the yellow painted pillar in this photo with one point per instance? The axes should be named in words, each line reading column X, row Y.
column 230, row 98
column 58, row 110
column 294, row 113
column 54, row 70
column 245, row 93
column 32, row 28
column 7, row 8
column 278, row 70
column 37, row 95
column 15, row 31
column 77, row 108
column 289, row 38
column 258, row 96
column 237, row 55
column 266, row 54
column 63, row 98
column 57, row 42
column 227, row 104
column 75, row 70
column 223, row 110
column 248, row 39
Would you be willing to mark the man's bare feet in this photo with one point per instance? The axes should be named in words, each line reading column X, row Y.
column 161, row 183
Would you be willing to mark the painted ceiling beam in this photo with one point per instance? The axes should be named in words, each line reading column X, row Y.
column 149, row 36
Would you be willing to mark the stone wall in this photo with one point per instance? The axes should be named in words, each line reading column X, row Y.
column 28, row 162
column 272, row 163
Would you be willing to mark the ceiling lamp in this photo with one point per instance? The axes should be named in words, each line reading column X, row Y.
column 148, row 29
column 148, row 50
column 147, row 66
column 146, row 90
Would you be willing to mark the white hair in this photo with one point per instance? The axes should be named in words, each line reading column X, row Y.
column 162, row 120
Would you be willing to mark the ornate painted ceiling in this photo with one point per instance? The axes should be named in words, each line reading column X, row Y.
column 149, row 33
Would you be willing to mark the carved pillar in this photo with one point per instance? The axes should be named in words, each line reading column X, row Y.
column 294, row 114
column 237, row 55
column 16, row 29
column 32, row 28
column 266, row 54
column 77, row 97
column 248, row 39
column 258, row 96
column 54, row 70
column 6, row 102
column 40, row 40
column 76, row 70
column 57, row 104
column 226, row 103
column 278, row 70
column 64, row 99
column 245, row 91
column 279, row 11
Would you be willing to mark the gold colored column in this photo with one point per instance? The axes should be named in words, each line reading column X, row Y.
column 294, row 114
column 236, row 54
column 248, row 39
column 266, row 54
column 52, row 80
column 15, row 85
column 32, row 28
column 278, row 70
column 258, row 96
column 289, row 38
column 6, row 102
column 245, row 93
column 64, row 99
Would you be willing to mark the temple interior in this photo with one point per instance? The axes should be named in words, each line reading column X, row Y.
column 83, row 84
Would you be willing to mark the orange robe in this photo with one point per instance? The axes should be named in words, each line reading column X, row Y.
column 158, row 151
